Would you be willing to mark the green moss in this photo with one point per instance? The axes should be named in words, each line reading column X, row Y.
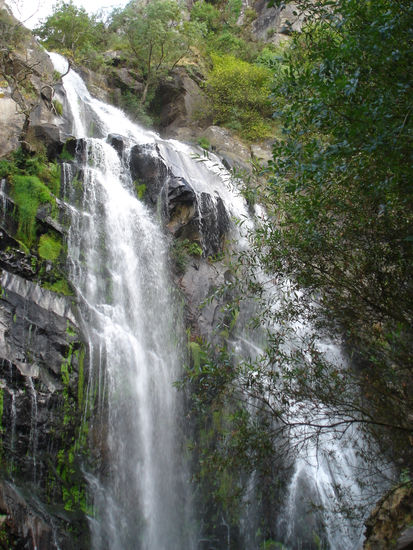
column 58, row 107
column 49, row 247
column 182, row 250
column 204, row 143
column 65, row 155
column 6, row 168
column 28, row 193
column 60, row 286
column 140, row 189
column 81, row 378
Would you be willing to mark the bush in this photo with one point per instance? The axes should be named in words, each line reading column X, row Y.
column 49, row 247
column 239, row 92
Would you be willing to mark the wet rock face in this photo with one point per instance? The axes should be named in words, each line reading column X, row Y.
column 117, row 143
column 214, row 223
column 41, row 378
column 148, row 168
column 195, row 216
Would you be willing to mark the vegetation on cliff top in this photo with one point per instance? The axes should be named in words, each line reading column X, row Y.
column 151, row 39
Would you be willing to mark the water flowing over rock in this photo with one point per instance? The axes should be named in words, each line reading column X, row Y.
column 95, row 425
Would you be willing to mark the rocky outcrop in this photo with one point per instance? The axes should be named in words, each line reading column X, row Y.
column 41, row 381
column 26, row 87
column 275, row 24
column 180, row 99
column 390, row 524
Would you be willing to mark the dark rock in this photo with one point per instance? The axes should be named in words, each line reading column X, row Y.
column 214, row 223
column 77, row 148
column 177, row 101
column 146, row 166
column 117, row 143
column 48, row 135
column 125, row 80
column 180, row 208
column 14, row 260
column 40, row 350
column 179, row 192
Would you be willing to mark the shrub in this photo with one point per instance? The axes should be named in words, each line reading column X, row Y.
column 239, row 93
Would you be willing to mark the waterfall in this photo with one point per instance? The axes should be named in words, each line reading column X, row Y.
column 117, row 256
column 118, row 264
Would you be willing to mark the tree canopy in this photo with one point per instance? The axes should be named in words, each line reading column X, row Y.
column 71, row 30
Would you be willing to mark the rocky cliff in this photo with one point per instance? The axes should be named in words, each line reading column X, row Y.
column 47, row 432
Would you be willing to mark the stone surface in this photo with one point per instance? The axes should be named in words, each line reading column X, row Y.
column 28, row 57
column 275, row 24
column 229, row 148
column 389, row 525
column 148, row 168
column 117, row 143
column 199, row 281
column 181, row 98
column 46, row 135
column 39, row 338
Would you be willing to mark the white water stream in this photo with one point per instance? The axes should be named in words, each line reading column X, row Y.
column 117, row 254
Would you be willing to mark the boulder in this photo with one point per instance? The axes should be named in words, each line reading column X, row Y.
column 233, row 151
column 46, row 135
column 147, row 167
column 180, row 98
column 180, row 208
column 117, row 143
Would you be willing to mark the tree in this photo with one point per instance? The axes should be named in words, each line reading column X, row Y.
column 71, row 31
column 158, row 37
column 341, row 197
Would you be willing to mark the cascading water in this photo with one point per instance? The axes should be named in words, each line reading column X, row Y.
column 118, row 265
column 117, row 256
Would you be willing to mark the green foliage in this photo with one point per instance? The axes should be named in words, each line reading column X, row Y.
column 132, row 104
column 204, row 143
column 239, row 93
column 339, row 229
column 140, row 189
column 60, row 285
column 182, row 250
column 28, row 193
column 58, row 107
column 207, row 14
column 157, row 36
column 33, row 180
column 72, row 31
column 49, row 247
column 65, row 155
column 5, row 168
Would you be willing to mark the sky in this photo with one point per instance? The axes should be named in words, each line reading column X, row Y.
column 32, row 11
